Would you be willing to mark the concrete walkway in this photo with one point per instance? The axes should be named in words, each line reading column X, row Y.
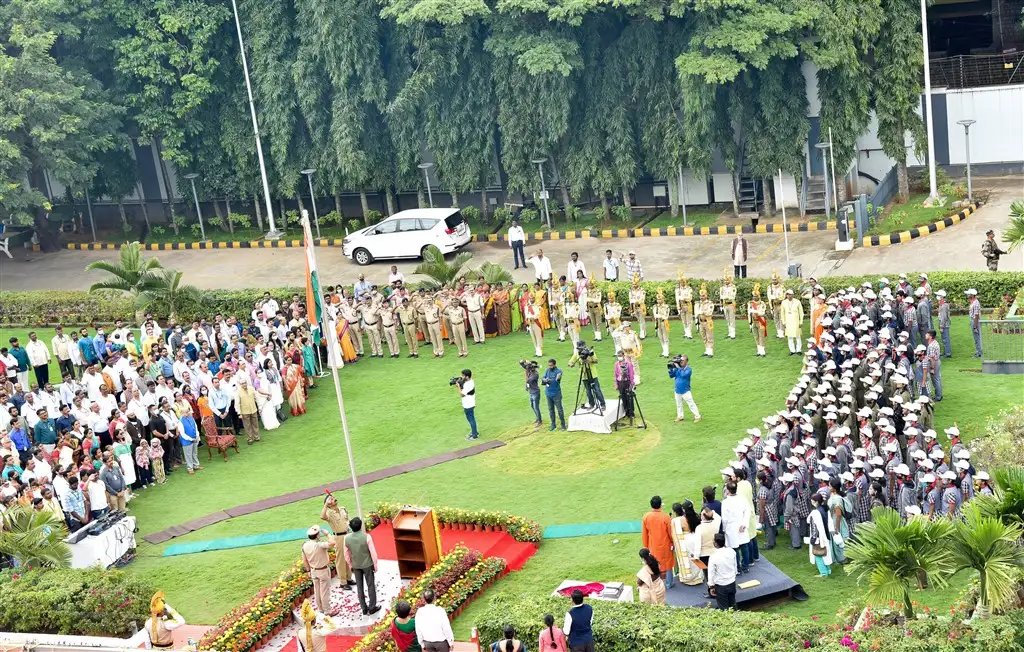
column 957, row 248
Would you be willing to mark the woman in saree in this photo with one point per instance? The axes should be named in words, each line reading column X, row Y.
column 206, row 420
column 490, row 314
column 273, row 377
column 294, row 385
column 265, row 402
column 817, row 314
column 348, row 350
column 308, row 361
column 518, row 303
column 580, row 292
column 686, row 543
column 541, row 297
column 649, row 581
column 502, row 309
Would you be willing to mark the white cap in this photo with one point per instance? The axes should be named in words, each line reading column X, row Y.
column 940, row 293
column 829, row 450
column 821, row 475
column 936, row 454
column 982, row 475
column 891, row 447
column 962, row 465
column 883, row 281
column 929, row 434
column 848, row 476
column 788, row 477
column 740, row 449
column 753, row 432
column 926, row 464
column 949, row 475
column 748, row 442
column 952, row 431
column 799, row 450
column 912, row 510
column 864, row 412
column 781, row 429
column 313, row 531
column 792, row 460
column 923, row 275
column 972, row 292
column 923, row 398
column 903, row 276
column 877, row 473
column 920, row 348
column 727, row 471
column 736, row 464
column 919, row 292
column 877, row 460
column 857, row 464
column 764, row 461
column 928, row 478
column 902, row 469
column 919, row 455
column 963, row 454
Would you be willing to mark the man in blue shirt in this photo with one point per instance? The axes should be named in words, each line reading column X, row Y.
column 361, row 288
column 66, row 420
column 86, row 348
column 99, row 345
column 552, row 382
column 680, row 370
column 45, row 432
column 220, row 402
column 21, row 442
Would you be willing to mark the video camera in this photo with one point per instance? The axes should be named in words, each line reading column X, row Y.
column 529, row 365
column 583, row 350
column 456, row 380
column 675, row 362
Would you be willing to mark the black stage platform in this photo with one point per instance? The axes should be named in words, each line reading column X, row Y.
column 775, row 586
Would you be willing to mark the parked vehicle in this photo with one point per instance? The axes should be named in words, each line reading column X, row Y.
column 407, row 234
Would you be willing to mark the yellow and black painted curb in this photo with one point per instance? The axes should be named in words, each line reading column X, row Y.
column 898, row 237
column 665, row 231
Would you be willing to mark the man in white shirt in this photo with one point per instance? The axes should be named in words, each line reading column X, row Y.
column 432, row 627
column 467, row 390
column 120, row 334
column 92, row 381
column 541, row 266
column 575, row 265
column 517, row 240
column 722, row 573
column 395, row 275
column 269, row 306
column 611, row 266
column 68, row 389
column 106, row 401
column 39, row 358
column 62, row 346
column 735, row 523
column 180, row 366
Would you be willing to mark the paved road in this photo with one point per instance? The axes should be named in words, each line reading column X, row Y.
column 957, row 248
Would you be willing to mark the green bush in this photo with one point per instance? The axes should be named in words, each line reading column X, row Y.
column 622, row 213
column 76, row 602
column 471, row 213
column 634, row 627
column 80, row 307
column 331, row 218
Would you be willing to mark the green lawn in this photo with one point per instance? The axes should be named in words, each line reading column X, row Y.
column 556, row 478
column 694, row 217
column 900, row 217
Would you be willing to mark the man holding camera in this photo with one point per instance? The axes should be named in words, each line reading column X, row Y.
column 625, row 381
column 586, row 357
column 532, row 388
column 552, row 382
column 680, row 370
column 467, row 390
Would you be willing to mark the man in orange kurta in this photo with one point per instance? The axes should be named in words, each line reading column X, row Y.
column 656, row 535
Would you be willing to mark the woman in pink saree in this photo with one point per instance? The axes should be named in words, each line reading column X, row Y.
column 294, row 385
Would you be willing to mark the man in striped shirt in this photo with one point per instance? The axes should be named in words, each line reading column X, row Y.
column 974, row 312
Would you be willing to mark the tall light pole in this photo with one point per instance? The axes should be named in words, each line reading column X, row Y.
column 273, row 233
column 426, row 178
column 539, row 162
column 933, row 193
column 785, row 226
column 192, row 179
column 312, row 198
column 824, row 161
column 682, row 193
column 967, row 146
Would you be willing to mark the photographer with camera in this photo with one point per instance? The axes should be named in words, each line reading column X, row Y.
column 587, row 359
column 625, row 382
column 532, row 388
column 552, row 381
column 680, row 369
column 467, row 390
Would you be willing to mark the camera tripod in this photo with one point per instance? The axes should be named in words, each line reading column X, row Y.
column 586, row 374
column 620, row 413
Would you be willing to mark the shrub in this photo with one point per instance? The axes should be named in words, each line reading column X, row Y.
column 528, row 215
column 372, row 217
column 242, row 220
column 331, row 218
column 501, row 215
column 1003, row 441
column 622, row 213
column 471, row 213
column 73, row 602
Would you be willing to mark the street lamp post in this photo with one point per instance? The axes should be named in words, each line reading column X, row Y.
column 967, row 145
column 539, row 162
column 933, row 193
column 192, row 179
column 312, row 198
column 273, row 233
column 824, row 161
column 426, row 179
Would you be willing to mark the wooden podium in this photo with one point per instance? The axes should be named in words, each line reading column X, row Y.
column 415, row 541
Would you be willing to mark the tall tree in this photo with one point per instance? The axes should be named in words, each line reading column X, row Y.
column 897, row 87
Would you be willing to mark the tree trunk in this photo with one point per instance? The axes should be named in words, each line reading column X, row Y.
column 145, row 210
column 124, row 218
column 627, row 201
column 769, row 197
column 302, row 205
column 908, row 607
column 259, row 211
column 281, row 213
column 606, row 210
column 48, row 240
column 483, row 205
column 365, row 206
column 167, row 184
column 227, row 204
column 902, row 182
column 389, row 198
column 337, row 207
column 803, row 191
column 455, row 199
column 735, row 194
column 421, row 199
column 225, row 223
column 673, row 197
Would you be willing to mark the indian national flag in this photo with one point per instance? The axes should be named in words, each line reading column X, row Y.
column 314, row 297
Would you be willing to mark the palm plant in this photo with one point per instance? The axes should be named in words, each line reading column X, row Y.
column 895, row 557
column 440, row 272
column 1007, row 504
column 167, row 294
column 34, row 538
column 132, row 274
column 1014, row 235
column 491, row 273
column 988, row 546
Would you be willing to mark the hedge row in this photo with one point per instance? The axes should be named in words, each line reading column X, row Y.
column 632, row 627
column 73, row 602
column 81, row 307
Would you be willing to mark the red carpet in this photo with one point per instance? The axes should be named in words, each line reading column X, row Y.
column 341, row 643
column 490, row 544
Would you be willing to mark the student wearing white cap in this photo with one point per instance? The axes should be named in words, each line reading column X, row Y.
column 984, row 484
column 944, row 324
column 952, row 498
column 974, row 314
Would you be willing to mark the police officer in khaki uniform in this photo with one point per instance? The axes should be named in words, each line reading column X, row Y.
column 684, row 306
column 432, row 319
column 638, row 305
column 390, row 328
column 531, row 317
column 419, row 302
column 776, row 293
column 727, row 293
column 593, row 307
column 315, row 559
column 407, row 314
column 556, row 307
column 704, row 310
column 661, row 314
column 371, row 323
column 457, row 318
column 474, row 302
column 572, row 319
column 337, row 517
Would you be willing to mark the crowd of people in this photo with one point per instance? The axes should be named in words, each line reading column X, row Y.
column 132, row 406
column 856, row 433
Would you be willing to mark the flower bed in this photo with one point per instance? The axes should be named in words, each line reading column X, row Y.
column 519, row 528
column 456, row 579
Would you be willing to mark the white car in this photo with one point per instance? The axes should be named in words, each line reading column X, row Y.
column 407, row 234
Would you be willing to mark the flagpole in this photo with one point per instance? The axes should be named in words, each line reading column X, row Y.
column 333, row 364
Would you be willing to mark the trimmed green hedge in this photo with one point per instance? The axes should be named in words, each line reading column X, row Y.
column 81, row 307
column 634, row 627
column 76, row 602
